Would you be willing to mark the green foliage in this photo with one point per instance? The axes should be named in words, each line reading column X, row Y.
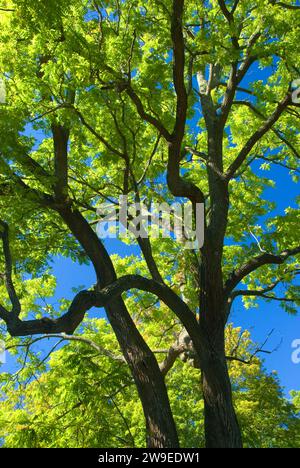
column 67, row 63
column 45, row 61
column 85, row 399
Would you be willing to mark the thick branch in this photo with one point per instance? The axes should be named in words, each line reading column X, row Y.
column 287, row 6
column 178, row 70
column 60, row 141
column 16, row 307
column 178, row 186
column 228, row 15
column 257, row 262
column 65, row 324
column 85, row 300
column 172, row 354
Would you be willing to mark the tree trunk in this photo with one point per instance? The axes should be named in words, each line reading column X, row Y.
column 221, row 425
column 160, row 426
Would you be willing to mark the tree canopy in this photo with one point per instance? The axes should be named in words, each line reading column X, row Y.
column 159, row 101
column 86, row 397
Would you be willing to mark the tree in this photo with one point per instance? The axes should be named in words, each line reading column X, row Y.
column 103, row 100
column 86, row 397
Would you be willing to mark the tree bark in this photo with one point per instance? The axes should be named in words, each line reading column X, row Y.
column 160, row 425
column 221, row 425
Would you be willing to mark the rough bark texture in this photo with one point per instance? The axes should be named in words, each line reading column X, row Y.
column 221, row 425
column 161, row 430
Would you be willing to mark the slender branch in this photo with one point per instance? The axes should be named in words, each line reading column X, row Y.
column 179, row 69
column 235, row 5
column 197, row 153
column 257, row 292
column 278, row 163
column 146, row 248
column 257, row 136
column 249, row 59
column 239, row 88
column 274, row 130
column 80, row 339
column 145, row 115
column 29, row 164
column 258, row 350
column 236, row 74
column 144, row 175
column 15, row 180
column 96, row 134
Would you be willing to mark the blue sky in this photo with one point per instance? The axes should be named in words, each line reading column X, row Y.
column 269, row 316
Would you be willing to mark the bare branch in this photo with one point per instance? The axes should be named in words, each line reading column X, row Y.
column 258, row 350
column 257, row 292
